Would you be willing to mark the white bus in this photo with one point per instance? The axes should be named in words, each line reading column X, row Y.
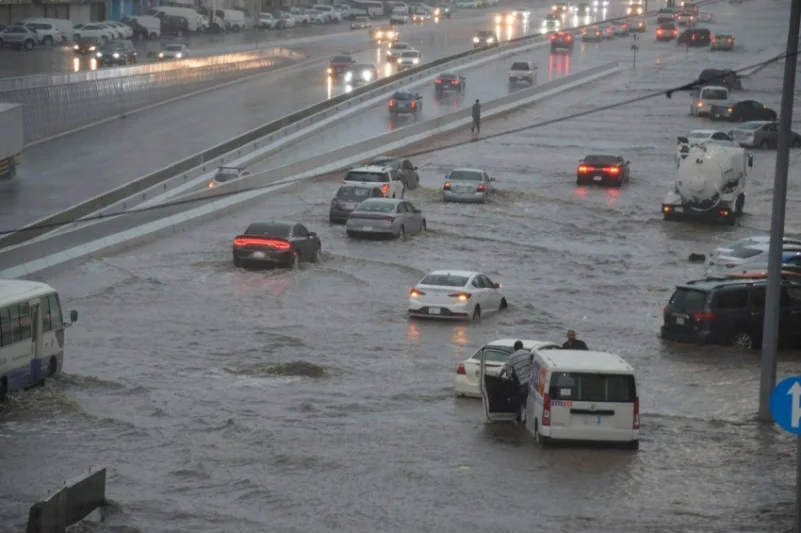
column 31, row 334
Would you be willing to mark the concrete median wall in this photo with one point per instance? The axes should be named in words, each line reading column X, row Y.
column 70, row 504
column 49, row 110
column 134, row 229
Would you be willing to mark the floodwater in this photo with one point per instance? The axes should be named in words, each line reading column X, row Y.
column 249, row 401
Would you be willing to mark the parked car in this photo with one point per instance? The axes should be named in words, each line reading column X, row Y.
column 100, row 31
column 121, row 31
column 385, row 217
column 18, row 37
column 47, row 33
column 761, row 134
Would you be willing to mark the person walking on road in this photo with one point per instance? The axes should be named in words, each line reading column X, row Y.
column 573, row 343
column 476, row 118
column 518, row 368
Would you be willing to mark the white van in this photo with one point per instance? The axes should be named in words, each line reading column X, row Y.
column 704, row 98
column 329, row 11
column 64, row 26
column 191, row 16
column 230, row 19
column 400, row 6
column 574, row 395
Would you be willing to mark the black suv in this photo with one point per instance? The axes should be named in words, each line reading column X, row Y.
column 730, row 312
column 695, row 37
column 117, row 53
column 726, row 78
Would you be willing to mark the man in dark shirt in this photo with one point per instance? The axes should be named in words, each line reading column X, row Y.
column 573, row 343
column 476, row 117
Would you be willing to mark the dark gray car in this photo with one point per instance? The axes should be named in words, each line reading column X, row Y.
column 348, row 198
column 406, row 170
column 761, row 134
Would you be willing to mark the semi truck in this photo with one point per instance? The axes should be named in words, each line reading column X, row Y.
column 710, row 184
column 11, row 140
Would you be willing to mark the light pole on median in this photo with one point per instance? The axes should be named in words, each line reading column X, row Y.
column 770, row 329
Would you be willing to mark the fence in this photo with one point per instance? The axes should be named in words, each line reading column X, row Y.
column 60, row 107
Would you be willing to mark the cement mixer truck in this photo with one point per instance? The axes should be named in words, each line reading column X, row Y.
column 710, row 184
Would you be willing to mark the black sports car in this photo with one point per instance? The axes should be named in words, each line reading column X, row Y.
column 281, row 243
column 450, row 82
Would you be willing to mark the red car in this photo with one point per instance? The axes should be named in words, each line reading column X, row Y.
column 561, row 40
column 603, row 169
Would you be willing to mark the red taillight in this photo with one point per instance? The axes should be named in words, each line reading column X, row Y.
column 704, row 317
column 583, row 169
column 482, row 187
column 464, row 296
column 665, row 311
column 461, row 370
column 388, row 219
column 343, row 184
column 546, row 410
column 553, row 37
column 676, row 32
column 438, row 80
column 693, row 37
column 447, row 186
column 415, row 293
column 392, row 103
column 569, row 37
column 636, row 422
column 455, row 82
column 385, row 189
column 660, row 32
column 414, row 104
column 613, row 170
column 262, row 241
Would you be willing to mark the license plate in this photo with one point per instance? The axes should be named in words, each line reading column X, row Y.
column 592, row 420
column 518, row 77
column 598, row 178
column 679, row 321
column 367, row 228
column 259, row 255
column 462, row 189
column 350, row 206
column 434, row 311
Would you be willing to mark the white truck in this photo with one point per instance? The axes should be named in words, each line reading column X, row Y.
column 710, row 184
column 11, row 140
column 705, row 97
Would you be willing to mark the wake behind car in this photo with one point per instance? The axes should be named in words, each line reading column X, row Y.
column 403, row 102
column 87, row 45
column 695, row 37
column 449, row 82
column 278, row 243
column 666, row 32
column 522, row 71
column 225, row 174
column 409, row 59
column 359, row 74
column 722, row 41
column 117, row 53
column 603, row 169
column 385, row 217
column 470, row 185
column 348, row 198
column 484, row 39
column 761, row 134
column 456, row 294
column 496, row 353
column 561, row 40
column 339, row 64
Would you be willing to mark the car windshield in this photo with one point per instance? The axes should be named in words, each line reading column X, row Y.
column 410, row 53
column 362, row 67
column 354, row 192
column 400, row 46
column 485, row 34
column 368, row 177
column 519, row 65
column 493, row 354
column 750, row 125
column 376, row 207
column 465, row 175
column 173, row 48
column 341, row 59
column 688, row 300
column 551, row 18
column 715, row 94
column 113, row 46
column 595, row 387
column 402, row 96
column 601, row 160
column 444, row 280
column 269, row 230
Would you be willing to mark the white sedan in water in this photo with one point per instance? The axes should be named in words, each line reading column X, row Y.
column 456, row 294
column 497, row 352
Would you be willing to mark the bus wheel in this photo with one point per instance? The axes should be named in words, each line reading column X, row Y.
column 52, row 367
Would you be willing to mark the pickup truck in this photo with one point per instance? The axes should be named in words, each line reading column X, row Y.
column 11, row 140
column 704, row 98
column 522, row 71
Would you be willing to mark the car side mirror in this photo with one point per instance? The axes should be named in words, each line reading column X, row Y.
column 73, row 316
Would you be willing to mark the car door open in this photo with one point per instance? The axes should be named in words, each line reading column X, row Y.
column 498, row 395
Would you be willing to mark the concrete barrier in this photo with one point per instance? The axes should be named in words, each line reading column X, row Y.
column 70, row 504
column 134, row 228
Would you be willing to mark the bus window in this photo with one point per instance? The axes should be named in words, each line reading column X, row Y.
column 55, row 312
column 24, row 321
column 6, row 335
column 14, row 312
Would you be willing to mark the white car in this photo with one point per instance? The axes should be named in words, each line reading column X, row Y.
column 409, row 59
column 332, row 14
column 267, row 21
column 300, row 15
column 456, row 294
column 175, row 51
column 121, row 31
column 497, row 352
column 388, row 179
column 286, row 20
column 98, row 31
column 721, row 264
column 315, row 17
column 45, row 32
column 702, row 136
column 226, row 174
column 726, row 251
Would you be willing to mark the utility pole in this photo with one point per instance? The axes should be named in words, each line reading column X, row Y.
column 770, row 328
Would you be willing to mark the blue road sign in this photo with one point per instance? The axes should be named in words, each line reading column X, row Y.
column 785, row 405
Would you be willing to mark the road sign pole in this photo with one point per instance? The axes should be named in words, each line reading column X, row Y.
column 770, row 328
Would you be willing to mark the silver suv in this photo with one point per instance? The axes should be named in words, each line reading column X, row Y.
column 18, row 37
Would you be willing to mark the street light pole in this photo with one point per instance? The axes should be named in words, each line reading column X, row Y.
column 770, row 329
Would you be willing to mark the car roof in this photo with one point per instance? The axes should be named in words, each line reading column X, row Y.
column 463, row 273
column 527, row 343
column 393, row 201
column 448, row 75
column 368, row 168
column 585, row 361
column 760, row 122
column 11, row 289
column 465, row 169
column 287, row 223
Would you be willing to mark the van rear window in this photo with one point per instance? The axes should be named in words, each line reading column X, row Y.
column 688, row 300
column 578, row 387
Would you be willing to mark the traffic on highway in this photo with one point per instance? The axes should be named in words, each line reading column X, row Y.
column 212, row 370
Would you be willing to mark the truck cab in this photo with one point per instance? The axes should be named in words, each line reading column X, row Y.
column 705, row 97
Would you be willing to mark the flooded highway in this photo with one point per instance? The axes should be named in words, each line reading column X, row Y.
column 64, row 171
column 225, row 399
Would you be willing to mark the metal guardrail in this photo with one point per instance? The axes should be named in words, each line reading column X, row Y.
column 49, row 110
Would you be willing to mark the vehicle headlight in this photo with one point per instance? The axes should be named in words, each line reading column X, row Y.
column 330, row 70
column 490, row 40
column 498, row 18
column 179, row 55
column 510, row 19
column 379, row 34
column 476, row 39
column 115, row 55
column 367, row 75
column 76, row 47
column 348, row 76
column 99, row 54
column 416, row 60
column 436, row 11
column 161, row 55
column 92, row 48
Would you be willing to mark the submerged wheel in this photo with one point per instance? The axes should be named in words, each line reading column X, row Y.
column 743, row 340
column 476, row 313
column 316, row 255
column 52, row 367
column 402, row 233
column 740, row 204
column 504, row 304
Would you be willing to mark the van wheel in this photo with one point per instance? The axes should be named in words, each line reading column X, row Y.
column 104, row 39
column 633, row 445
column 179, row 33
column 29, row 45
column 743, row 341
column 538, row 438
column 52, row 367
column 740, row 204
column 47, row 41
column 477, row 313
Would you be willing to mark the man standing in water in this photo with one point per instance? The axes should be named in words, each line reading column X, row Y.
column 518, row 367
column 573, row 343
column 476, row 118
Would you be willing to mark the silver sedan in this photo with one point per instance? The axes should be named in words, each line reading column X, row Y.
column 385, row 217
column 467, row 185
